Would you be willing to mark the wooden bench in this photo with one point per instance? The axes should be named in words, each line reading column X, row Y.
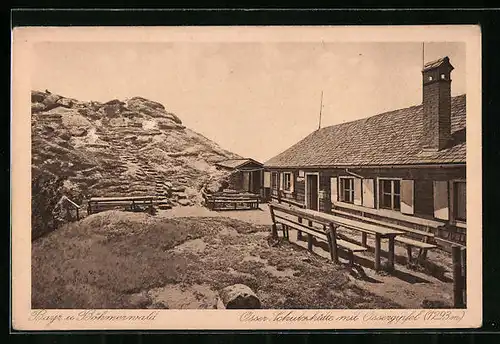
column 223, row 203
column 97, row 204
column 231, row 201
column 328, row 236
column 410, row 243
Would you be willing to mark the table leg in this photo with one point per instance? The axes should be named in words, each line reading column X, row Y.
column 333, row 242
column 363, row 239
column 391, row 253
column 377, row 251
column 309, row 242
column 299, row 233
column 410, row 253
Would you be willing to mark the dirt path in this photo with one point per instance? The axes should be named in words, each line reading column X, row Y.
column 257, row 217
column 406, row 287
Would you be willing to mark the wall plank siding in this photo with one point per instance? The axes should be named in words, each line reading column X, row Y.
column 424, row 181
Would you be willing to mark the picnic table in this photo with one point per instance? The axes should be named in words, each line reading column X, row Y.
column 380, row 232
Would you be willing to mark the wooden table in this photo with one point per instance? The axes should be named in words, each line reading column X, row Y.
column 379, row 232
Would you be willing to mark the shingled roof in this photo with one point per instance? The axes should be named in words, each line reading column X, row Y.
column 236, row 163
column 390, row 138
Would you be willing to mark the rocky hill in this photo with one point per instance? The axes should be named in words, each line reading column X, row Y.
column 118, row 148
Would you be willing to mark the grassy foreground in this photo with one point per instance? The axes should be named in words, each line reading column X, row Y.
column 113, row 259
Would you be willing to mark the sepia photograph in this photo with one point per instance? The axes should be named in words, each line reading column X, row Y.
column 251, row 174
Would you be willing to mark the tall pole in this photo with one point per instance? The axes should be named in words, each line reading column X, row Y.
column 320, row 110
column 423, row 55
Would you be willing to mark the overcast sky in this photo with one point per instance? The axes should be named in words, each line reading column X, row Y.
column 255, row 99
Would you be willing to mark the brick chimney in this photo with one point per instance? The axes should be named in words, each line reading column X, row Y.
column 437, row 104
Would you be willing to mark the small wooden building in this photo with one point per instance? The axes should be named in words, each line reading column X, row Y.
column 405, row 166
column 246, row 174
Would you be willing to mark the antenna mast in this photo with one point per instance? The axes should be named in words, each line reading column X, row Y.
column 423, row 55
column 320, row 110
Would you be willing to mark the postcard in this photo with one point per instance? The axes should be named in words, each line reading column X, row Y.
column 277, row 177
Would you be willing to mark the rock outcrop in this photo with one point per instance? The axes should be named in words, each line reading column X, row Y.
column 122, row 147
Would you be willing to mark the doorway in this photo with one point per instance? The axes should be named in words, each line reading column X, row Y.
column 312, row 186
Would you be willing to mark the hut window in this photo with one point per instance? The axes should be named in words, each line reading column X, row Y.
column 274, row 180
column 390, row 194
column 287, row 181
column 347, row 189
column 460, row 201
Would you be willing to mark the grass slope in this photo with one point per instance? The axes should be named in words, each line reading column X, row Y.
column 107, row 259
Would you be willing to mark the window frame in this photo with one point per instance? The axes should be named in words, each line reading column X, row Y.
column 275, row 180
column 455, row 216
column 341, row 190
column 287, row 188
column 392, row 194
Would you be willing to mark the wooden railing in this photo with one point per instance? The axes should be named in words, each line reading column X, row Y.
column 72, row 205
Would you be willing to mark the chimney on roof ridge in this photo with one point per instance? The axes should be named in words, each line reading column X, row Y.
column 436, row 104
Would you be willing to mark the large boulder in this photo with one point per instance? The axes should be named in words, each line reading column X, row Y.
column 65, row 102
column 37, row 107
column 79, row 131
column 113, row 108
column 184, row 202
column 37, row 96
column 147, row 102
column 151, row 108
column 238, row 296
column 139, row 300
column 181, row 195
column 50, row 101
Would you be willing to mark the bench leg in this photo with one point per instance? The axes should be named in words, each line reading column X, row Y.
column 299, row 235
column 377, row 252
column 409, row 251
column 274, row 231
column 309, row 242
column 350, row 254
column 283, row 228
column 391, row 253
column 363, row 239
column 422, row 255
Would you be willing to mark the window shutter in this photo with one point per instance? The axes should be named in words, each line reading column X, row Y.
column 292, row 181
column 333, row 190
column 441, row 208
column 267, row 179
column 407, row 197
column 357, row 191
column 281, row 180
column 368, row 193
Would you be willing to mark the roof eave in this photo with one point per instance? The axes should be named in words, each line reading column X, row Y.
column 417, row 165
